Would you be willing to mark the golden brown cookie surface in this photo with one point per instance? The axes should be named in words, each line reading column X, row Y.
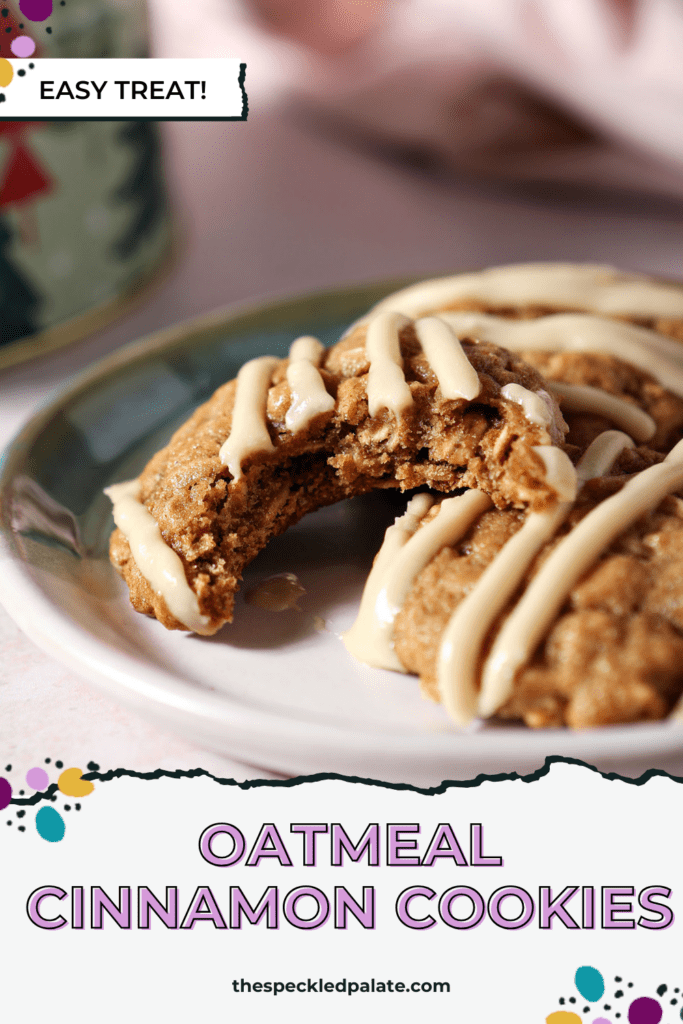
column 597, row 335
column 216, row 521
column 615, row 651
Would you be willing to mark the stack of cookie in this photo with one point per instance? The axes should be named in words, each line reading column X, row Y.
column 538, row 412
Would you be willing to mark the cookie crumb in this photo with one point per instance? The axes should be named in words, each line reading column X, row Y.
column 279, row 593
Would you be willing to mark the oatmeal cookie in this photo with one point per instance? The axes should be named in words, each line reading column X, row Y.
column 595, row 333
column 572, row 617
column 459, row 589
column 407, row 406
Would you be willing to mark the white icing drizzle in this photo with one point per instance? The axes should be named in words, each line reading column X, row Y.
column 601, row 454
column 249, row 433
column 461, row 643
column 158, row 563
column 601, row 289
column 535, row 409
column 387, row 387
column 309, row 396
column 559, row 470
column 404, row 554
column 307, row 347
column 573, row 556
column 649, row 351
column 456, row 376
column 464, row 636
column 583, row 398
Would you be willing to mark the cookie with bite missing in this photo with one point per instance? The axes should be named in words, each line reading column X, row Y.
column 403, row 407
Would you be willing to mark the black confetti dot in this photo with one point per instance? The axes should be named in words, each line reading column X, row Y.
column 617, row 979
column 53, row 798
column 2, row 97
column 630, row 984
column 617, row 1015
column 586, row 1009
column 59, row 764
column 8, row 30
column 8, row 768
column 571, row 999
column 9, row 822
column 5, row 12
column 21, row 73
column 673, row 1002
column 607, row 1006
column 677, row 990
column 77, row 806
column 618, row 994
column 20, row 814
column 93, row 767
column 48, row 759
column 561, row 1000
column 48, row 30
column 21, row 26
column 661, row 990
column 21, row 792
column 22, row 828
column 31, row 66
column 67, row 807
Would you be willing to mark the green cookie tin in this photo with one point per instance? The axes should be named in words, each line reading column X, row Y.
column 84, row 219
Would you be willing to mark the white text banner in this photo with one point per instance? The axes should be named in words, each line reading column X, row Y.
column 171, row 89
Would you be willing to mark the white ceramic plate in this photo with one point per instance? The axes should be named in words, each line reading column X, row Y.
column 276, row 689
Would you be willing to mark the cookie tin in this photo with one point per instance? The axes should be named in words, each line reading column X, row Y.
column 84, row 221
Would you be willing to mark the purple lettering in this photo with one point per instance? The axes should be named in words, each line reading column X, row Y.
column 322, row 912
column 206, row 845
column 462, row 923
column 396, row 843
column 344, row 904
column 403, row 907
column 33, row 907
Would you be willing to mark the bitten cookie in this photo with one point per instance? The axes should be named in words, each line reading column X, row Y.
column 406, row 406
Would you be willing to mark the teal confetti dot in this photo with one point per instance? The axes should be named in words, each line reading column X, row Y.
column 50, row 824
column 590, row 983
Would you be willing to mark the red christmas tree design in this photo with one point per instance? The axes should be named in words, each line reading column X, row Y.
column 23, row 179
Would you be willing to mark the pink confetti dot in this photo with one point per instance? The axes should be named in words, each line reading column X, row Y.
column 37, row 778
column 601, row 1020
column 23, row 46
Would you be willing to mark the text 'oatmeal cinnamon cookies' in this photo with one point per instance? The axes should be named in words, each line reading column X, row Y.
column 408, row 407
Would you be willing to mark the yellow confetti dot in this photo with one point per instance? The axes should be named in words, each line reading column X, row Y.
column 71, row 784
column 6, row 72
column 563, row 1017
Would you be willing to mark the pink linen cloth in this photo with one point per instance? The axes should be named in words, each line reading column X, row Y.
column 515, row 87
